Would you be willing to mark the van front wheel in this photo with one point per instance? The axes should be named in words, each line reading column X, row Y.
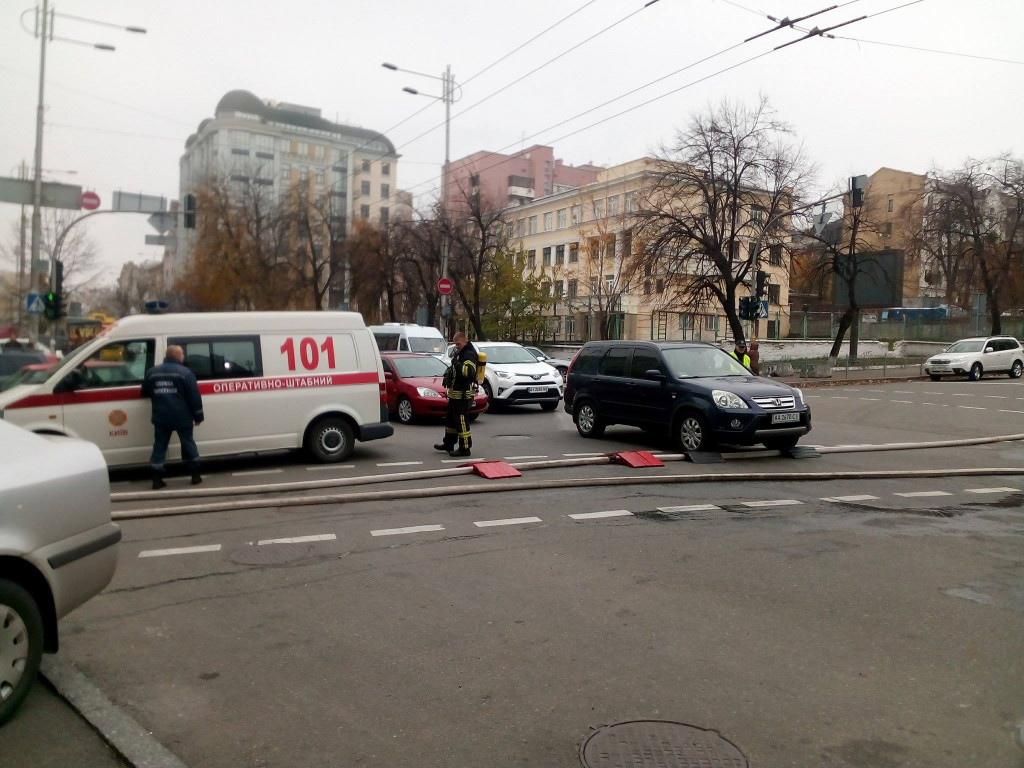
column 330, row 440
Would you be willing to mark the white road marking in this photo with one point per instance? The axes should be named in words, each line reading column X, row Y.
column 815, row 397
column 506, row 521
column 905, row 402
column 909, row 494
column 903, row 392
column 463, row 460
column 518, row 458
column 606, row 513
column 992, row 490
column 690, row 508
column 410, row 529
column 331, row 466
column 588, row 453
column 299, row 539
column 928, row 404
column 398, row 463
column 875, row 390
column 840, row 397
column 869, row 398
column 997, row 397
column 179, row 550
column 257, row 472
column 973, row 407
column 962, row 394
column 933, row 393
column 771, row 503
column 856, row 497
column 1006, row 410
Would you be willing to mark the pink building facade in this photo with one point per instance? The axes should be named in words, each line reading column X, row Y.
column 508, row 180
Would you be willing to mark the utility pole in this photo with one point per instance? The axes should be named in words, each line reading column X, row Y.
column 45, row 29
column 447, row 91
column 23, row 175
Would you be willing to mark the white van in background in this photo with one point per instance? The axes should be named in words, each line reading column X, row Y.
column 409, row 337
column 269, row 380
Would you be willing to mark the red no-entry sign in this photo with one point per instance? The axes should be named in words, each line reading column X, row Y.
column 444, row 285
column 90, row 201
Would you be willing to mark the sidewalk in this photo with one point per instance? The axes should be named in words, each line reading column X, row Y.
column 864, row 375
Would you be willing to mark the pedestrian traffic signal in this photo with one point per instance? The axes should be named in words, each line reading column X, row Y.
column 190, row 211
column 745, row 309
column 53, row 300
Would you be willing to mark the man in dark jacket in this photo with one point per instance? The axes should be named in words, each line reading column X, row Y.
column 177, row 406
column 460, row 379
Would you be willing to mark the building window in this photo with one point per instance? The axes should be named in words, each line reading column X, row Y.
column 609, row 283
column 593, row 247
column 547, row 257
column 520, row 227
column 366, row 166
column 385, row 191
column 573, row 288
column 609, row 246
column 685, row 322
column 385, row 169
column 549, row 222
column 570, row 326
column 531, row 259
column 319, row 177
column 750, row 251
column 364, row 211
column 474, row 180
column 598, row 209
column 364, row 187
column 574, row 252
column 240, row 152
column 889, row 206
column 757, row 214
column 559, row 255
column 303, row 173
column 659, row 286
column 384, row 214
column 774, row 294
column 559, row 286
column 613, row 205
column 594, row 285
column 627, row 243
column 561, row 218
column 286, row 172
column 887, row 228
column 285, row 145
column 533, row 225
column 303, row 148
column 775, row 255
column 630, row 202
column 510, row 230
column 710, row 322
column 647, row 287
column 574, row 214
column 318, row 151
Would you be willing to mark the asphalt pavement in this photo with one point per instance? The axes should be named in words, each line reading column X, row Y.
column 839, row 623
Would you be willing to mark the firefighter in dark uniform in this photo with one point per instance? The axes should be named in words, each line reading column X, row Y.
column 460, row 379
column 177, row 407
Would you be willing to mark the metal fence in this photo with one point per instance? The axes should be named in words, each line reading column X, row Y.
column 823, row 325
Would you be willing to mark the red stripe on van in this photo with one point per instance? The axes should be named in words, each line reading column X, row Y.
column 223, row 387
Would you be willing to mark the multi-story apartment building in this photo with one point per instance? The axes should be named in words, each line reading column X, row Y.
column 894, row 208
column 581, row 241
column 505, row 180
column 283, row 146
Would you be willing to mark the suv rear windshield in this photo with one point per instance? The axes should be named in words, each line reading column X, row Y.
column 691, row 362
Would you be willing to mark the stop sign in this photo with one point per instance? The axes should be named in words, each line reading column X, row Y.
column 90, row 201
column 444, row 285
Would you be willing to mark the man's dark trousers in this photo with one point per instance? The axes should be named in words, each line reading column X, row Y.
column 189, row 452
column 456, row 424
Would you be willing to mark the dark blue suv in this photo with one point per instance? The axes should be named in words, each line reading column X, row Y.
column 696, row 392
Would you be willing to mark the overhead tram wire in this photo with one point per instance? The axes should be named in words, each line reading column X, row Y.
column 927, row 50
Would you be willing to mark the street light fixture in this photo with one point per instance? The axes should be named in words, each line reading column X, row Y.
column 44, row 22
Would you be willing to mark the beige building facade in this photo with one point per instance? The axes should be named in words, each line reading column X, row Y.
column 582, row 243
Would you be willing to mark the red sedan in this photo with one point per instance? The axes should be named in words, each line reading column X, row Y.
column 415, row 389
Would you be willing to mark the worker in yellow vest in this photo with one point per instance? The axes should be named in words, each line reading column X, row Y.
column 739, row 352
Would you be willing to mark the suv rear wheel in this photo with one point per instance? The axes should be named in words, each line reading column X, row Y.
column 692, row 433
column 21, row 645
column 588, row 423
column 1017, row 369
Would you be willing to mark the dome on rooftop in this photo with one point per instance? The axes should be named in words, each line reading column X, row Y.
column 239, row 101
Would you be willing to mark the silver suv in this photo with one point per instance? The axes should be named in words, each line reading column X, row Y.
column 976, row 357
column 58, row 547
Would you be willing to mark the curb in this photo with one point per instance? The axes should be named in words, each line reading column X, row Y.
column 133, row 743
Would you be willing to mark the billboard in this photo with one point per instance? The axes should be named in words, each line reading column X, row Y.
column 878, row 282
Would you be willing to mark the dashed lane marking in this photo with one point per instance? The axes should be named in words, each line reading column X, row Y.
column 409, row 529
column 299, row 539
column 905, row 402
column 914, row 494
column 257, row 472
column 1007, row 410
column 771, row 503
column 970, row 407
column 463, row 460
column 606, row 513
column 587, row 453
column 903, row 392
column 991, row 490
column 690, row 508
column 331, row 466
column 520, row 458
column 179, row 550
column 399, row 463
column 962, row 394
column 506, row 521
column 855, row 497
column 873, row 399
column 997, row 397
column 839, row 397
column 933, row 393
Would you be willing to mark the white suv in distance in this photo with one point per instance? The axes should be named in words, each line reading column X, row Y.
column 513, row 376
column 976, row 357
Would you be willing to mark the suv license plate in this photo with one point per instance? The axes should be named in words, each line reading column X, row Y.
column 785, row 418
column 537, row 390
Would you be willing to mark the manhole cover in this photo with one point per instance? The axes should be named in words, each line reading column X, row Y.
column 660, row 744
column 269, row 554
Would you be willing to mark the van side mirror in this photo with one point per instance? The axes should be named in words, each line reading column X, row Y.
column 654, row 375
column 71, row 382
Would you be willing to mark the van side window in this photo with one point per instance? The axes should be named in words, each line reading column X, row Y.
column 614, row 363
column 386, row 342
column 119, row 364
column 588, row 360
column 227, row 357
column 644, row 360
column 403, row 345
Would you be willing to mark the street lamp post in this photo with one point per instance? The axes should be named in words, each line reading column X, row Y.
column 447, row 96
column 44, row 30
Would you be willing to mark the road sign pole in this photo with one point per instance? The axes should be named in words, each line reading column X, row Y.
column 37, row 179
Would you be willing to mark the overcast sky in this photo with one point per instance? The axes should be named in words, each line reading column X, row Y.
column 121, row 119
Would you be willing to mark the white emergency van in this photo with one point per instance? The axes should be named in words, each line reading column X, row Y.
column 269, row 380
column 408, row 337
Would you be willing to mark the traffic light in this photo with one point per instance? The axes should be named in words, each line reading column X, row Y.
column 190, row 211
column 745, row 308
column 857, row 186
column 762, row 284
column 53, row 300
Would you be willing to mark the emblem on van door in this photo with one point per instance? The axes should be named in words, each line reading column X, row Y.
column 117, row 418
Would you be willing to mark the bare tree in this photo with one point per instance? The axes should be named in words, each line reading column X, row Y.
column 717, row 200
column 477, row 236
column 381, row 287
column 421, row 264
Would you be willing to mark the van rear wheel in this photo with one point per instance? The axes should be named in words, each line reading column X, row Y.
column 21, row 645
column 330, row 440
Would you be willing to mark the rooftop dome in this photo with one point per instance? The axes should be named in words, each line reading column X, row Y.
column 240, row 101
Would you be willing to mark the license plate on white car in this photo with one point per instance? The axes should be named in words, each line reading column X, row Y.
column 537, row 390
column 785, row 418
column 941, row 369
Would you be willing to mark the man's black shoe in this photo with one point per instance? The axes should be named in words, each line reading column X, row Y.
column 158, row 483
column 197, row 478
column 442, row 447
column 459, row 453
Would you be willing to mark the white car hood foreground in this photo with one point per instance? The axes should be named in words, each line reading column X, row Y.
column 541, row 370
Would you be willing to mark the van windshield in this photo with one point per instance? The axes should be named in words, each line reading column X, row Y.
column 692, row 362
column 432, row 346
